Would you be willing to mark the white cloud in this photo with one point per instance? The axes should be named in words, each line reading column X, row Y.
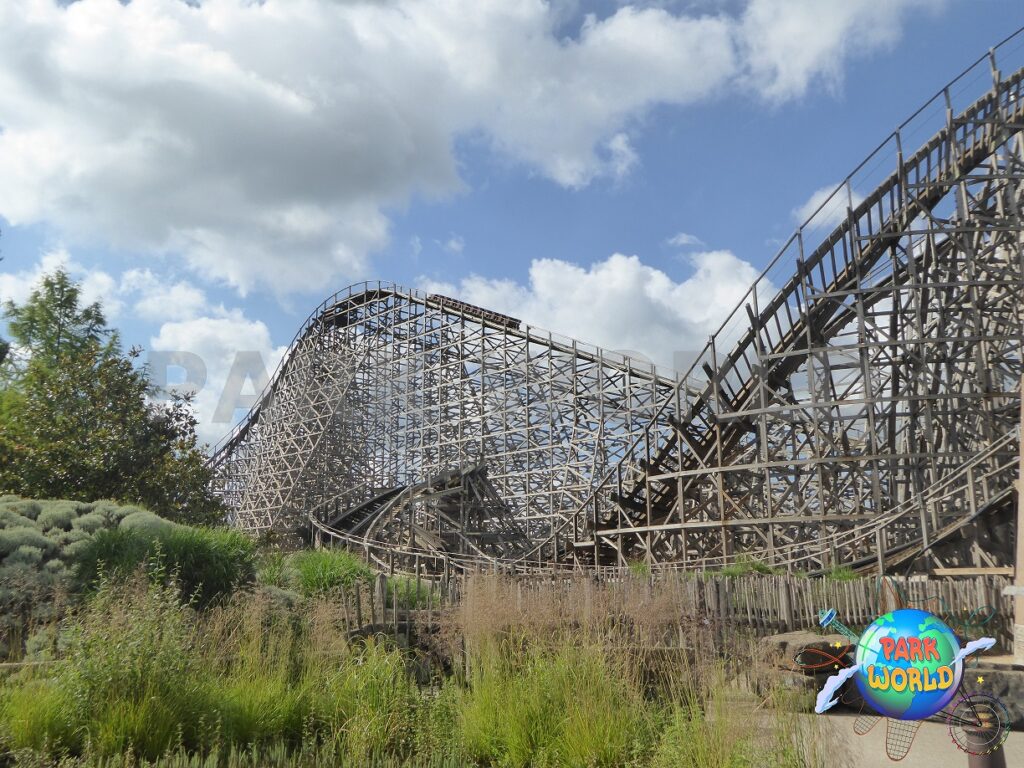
column 159, row 300
column 787, row 44
column 833, row 204
column 222, row 342
column 619, row 303
column 95, row 284
column 151, row 296
column 255, row 138
column 684, row 239
column 454, row 244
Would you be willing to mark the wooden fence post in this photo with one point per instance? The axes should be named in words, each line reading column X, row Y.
column 786, row 606
column 380, row 590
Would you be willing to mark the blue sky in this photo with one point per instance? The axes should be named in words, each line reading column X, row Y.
column 614, row 172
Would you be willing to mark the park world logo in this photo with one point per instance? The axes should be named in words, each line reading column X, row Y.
column 908, row 665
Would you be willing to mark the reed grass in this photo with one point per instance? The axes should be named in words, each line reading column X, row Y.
column 596, row 675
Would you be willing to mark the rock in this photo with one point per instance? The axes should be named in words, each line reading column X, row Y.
column 1005, row 683
column 782, row 649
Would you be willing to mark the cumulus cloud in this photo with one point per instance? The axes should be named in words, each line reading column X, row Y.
column 157, row 299
column 149, row 296
column 95, row 284
column 619, row 303
column 228, row 360
column 788, row 44
column 252, row 137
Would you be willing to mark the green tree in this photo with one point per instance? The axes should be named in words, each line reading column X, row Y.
column 77, row 419
column 52, row 325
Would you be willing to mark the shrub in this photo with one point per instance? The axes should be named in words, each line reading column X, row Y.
column 275, row 570
column 24, row 507
column 25, row 554
column 114, row 552
column 145, row 522
column 90, row 522
column 205, row 563
column 11, row 519
column 128, row 679
column 209, row 563
column 44, row 545
column 59, row 514
column 13, row 538
column 567, row 706
column 142, row 673
column 38, row 715
column 842, row 573
column 114, row 512
column 323, row 570
column 640, row 568
column 745, row 566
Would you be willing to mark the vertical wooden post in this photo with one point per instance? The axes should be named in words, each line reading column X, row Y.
column 359, row 605
column 381, row 599
column 785, row 606
column 1018, row 571
column 344, row 605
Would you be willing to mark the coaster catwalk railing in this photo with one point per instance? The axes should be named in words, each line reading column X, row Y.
column 890, row 356
column 950, row 505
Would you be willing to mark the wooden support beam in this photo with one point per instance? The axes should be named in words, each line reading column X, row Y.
column 996, row 571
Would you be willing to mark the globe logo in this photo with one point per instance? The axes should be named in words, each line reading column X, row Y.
column 908, row 665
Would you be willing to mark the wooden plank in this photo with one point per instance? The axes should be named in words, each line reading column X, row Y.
column 994, row 571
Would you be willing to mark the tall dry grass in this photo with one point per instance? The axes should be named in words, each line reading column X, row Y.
column 572, row 673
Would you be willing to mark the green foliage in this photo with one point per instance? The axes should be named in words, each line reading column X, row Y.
column 207, row 564
column 51, row 550
column 527, row 706
column 146, row 522
column 52, row 325
column 274, row 570
column 842, row 573
column 142, row 677
column 745, row 566
column 323, row 570
column 315, row 573
column 405, row 590
column 76, row 420
column 58, row 515
column 640, row 568
column 142, row 673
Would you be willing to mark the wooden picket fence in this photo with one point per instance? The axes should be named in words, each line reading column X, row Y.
column 972, row 606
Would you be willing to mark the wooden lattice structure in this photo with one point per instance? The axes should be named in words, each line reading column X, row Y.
column 859, row 406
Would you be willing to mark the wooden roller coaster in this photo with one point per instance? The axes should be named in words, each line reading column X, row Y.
column 859, row 406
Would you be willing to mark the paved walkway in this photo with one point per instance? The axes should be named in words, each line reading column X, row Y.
column 932, row 747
